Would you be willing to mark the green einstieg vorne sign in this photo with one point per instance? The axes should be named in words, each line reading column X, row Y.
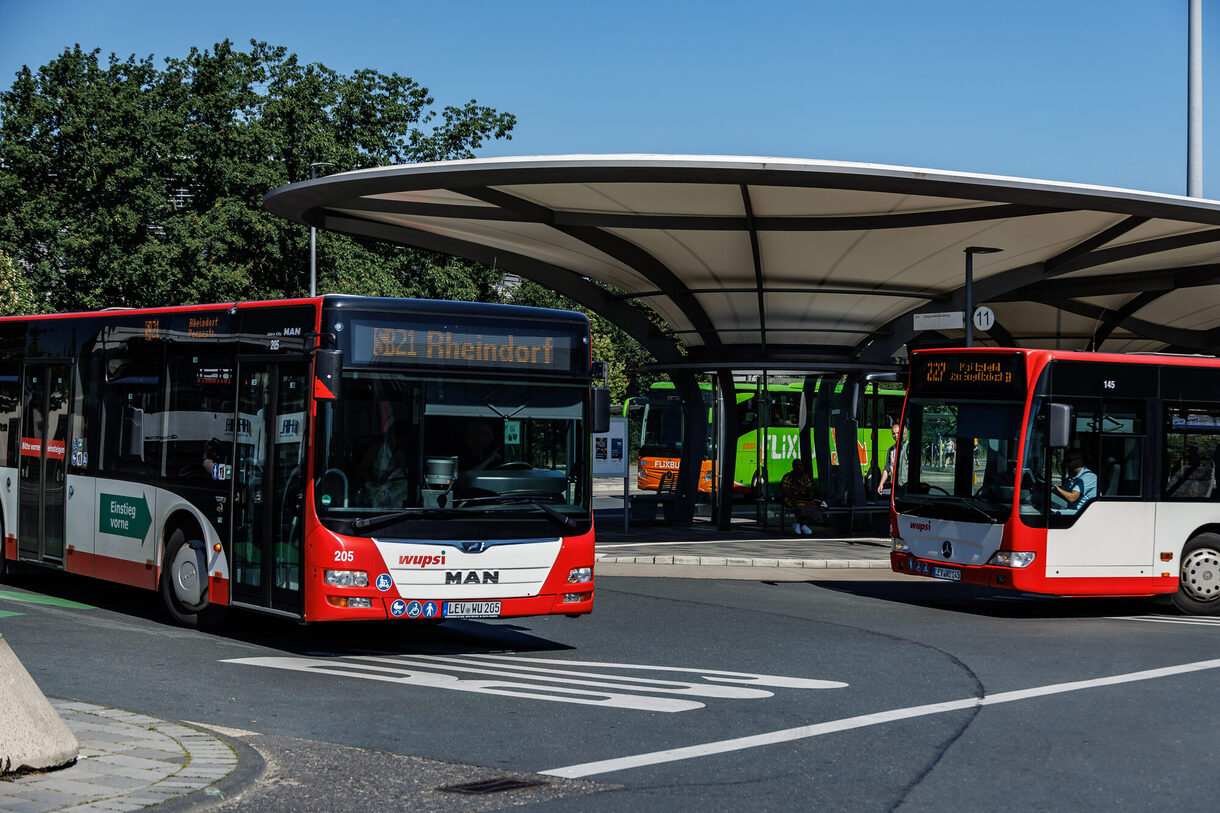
column 123, row 516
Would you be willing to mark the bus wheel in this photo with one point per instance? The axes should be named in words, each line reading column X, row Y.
column 184, row 583
column 1199, row 583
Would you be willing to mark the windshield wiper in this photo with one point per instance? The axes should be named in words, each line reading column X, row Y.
column 941, row 507
column 527, row 498
column 967, row 502
column 385, row 519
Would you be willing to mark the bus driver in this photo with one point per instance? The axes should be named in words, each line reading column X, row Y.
column 1080, row 485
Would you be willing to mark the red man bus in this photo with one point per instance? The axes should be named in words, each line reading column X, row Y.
column 1072, row 474
column 332, row 458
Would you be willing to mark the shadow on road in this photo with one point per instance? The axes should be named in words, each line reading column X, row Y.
column 975, row 600
column 382, row 637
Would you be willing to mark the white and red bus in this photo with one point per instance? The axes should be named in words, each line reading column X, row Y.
column 1062, row 473
column 332, row 458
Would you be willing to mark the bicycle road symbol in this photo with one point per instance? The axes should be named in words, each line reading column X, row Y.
column 619, row 685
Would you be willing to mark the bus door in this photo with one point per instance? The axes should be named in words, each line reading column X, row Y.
column 41, row 473
column 268, row 483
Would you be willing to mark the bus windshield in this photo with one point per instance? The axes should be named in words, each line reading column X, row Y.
column 958, row 458
column 399, row 444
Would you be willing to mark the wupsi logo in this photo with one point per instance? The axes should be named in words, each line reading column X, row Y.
column 422, row 561
column 921, row 526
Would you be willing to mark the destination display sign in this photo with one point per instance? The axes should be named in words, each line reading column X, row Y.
column 502, row 347
column 968, row 373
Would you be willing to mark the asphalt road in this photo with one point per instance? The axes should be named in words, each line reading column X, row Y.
column 858, row 693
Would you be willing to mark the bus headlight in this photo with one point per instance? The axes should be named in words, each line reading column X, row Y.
column 900, row 546
column 346, row 578
column 580, row 574
column 1012, row 558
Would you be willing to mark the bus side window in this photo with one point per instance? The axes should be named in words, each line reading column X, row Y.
column 1192, row 445
column 199, row 414
column 1120, row 472
column 132, row 419
column 10, row 413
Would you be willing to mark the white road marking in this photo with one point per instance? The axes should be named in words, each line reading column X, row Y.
column 708, row 674
column 1170, row 619
column 566, row 676
column 862, row 721
column 535, row 678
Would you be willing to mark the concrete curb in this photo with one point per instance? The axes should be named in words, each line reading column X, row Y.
column 32, row 735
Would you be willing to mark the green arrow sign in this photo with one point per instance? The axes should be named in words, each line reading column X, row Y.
column 123, row 516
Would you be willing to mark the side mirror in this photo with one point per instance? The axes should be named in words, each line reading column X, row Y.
column 601, row 410
column 1059, row 429
column 327, row 367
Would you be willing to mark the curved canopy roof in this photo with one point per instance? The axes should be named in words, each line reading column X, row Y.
column 787, row 263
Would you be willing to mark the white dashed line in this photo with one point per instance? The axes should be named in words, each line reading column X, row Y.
column 862, row 721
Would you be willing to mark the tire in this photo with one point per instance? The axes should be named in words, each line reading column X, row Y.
column 184, row 582
column 1199, row 582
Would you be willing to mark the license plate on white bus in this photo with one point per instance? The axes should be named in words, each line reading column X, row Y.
column 471, row 609
column 950, row 573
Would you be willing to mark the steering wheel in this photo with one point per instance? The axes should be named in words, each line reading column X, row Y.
column 930, row 486
column 517, row 465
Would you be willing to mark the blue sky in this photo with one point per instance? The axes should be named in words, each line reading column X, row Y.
column 1088, row 91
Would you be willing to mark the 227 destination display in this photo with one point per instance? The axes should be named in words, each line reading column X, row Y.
column 989, row 373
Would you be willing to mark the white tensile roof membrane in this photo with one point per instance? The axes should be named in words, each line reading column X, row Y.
column 784, row 263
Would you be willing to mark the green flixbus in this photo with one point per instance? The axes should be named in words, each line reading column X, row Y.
column 770, row 416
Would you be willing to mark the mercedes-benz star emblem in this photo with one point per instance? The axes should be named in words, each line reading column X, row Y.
column 947, row 549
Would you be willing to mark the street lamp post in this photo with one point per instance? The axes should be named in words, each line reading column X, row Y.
column 1194, row 100
column 313, row 237
column 970, row 252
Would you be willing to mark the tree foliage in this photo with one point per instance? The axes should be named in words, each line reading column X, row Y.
column 623, row 355
column 16, row 293
column 129, row 183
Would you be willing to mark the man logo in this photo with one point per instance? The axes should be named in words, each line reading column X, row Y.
column 472, row 577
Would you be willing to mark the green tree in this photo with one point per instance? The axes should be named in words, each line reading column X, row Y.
column 624, row 355
column 16, row 294
column 130, row 184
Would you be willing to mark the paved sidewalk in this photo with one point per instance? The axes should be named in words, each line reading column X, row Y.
column 128, row 761
column 744, row 545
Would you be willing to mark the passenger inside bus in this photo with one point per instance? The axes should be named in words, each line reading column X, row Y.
column 1079, row 486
